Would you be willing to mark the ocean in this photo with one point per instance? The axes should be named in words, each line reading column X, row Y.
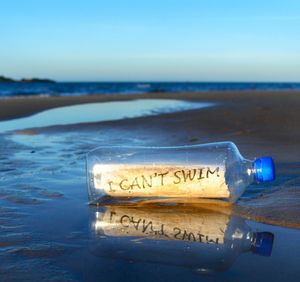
column 107, row 88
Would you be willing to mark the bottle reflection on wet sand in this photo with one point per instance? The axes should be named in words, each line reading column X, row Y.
column 203, row 239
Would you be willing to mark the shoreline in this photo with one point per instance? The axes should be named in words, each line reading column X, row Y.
column 258, row 125
column 270, row 125
column 22, row 106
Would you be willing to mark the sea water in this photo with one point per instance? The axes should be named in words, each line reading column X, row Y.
column 108, row 88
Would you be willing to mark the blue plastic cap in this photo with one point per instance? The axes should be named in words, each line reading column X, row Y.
column 264, row 169
column 263, row 243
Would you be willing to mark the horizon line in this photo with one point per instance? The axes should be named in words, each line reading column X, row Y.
column 175, row 81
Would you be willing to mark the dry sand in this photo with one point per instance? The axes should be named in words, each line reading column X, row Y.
column 260, row 123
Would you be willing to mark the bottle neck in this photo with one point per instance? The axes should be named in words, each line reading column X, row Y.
column 249, row 168
column 253, row 171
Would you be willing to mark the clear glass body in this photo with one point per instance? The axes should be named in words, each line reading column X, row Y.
column 120, row 174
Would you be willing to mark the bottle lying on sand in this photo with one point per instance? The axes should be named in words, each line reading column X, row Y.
column 204, row 239
column 120, row 174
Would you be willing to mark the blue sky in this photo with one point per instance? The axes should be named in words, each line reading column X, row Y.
column 152, row 40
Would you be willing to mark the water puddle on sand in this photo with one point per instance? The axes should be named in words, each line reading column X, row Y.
column 49, row 233
column 97, row 112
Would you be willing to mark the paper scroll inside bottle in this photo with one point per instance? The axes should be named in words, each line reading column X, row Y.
column 120, row 180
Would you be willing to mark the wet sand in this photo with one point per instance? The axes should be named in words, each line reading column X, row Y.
column 260, row 123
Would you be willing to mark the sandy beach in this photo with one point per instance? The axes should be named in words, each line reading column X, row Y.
column 48, row 229
column 270, row 126
column 257, row 124
column 149, row 141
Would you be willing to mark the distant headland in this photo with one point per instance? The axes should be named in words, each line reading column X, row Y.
column 4, row 79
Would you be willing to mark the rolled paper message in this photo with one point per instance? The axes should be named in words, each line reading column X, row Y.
column 130, row 180
column 161, row 224
column 132, row 174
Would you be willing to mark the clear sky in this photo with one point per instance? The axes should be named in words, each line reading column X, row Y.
column 152, row 40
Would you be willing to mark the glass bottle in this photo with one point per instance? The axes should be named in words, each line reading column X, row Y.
column 119, row 174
